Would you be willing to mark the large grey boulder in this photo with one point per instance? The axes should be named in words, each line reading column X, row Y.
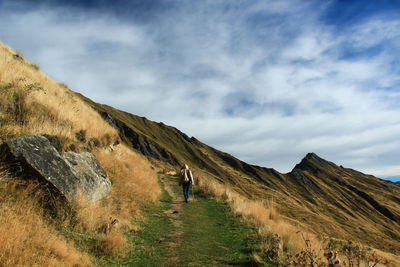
column 94, row 183
column 32, row 156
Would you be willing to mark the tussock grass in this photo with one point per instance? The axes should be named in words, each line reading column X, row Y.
column 112, row 243
column 132, row 175
column 283, row 242
column 134, row 182
column 90, row 217
column 38, row 232
column 105, row 222
column 31, row 102
column 278, row 237
column 262, row 214
column 25, row 237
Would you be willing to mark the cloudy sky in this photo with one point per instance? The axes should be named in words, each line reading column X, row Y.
column 266, row 81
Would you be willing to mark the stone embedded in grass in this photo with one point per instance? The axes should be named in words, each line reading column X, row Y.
column 32, row 156
column 94, row 181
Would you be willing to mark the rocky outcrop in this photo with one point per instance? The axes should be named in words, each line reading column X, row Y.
column 303, row 179
column 140, row 142
column 33, row 157
column 94, row 182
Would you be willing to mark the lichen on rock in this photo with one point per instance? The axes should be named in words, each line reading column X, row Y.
column 33, row 157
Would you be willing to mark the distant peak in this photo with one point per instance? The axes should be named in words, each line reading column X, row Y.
column 311, row 155
column 310, row 160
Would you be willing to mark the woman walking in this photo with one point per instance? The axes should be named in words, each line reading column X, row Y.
column 186, row 181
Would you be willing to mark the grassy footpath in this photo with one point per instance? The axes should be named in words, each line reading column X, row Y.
column 207, row 234
column 144, row 246
column 214, row 236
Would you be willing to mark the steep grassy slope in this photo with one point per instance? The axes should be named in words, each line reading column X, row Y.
column 359, row 207
column 31, row 102
column 36, row 230
column 316, row 195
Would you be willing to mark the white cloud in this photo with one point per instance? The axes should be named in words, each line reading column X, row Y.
column 266, row 82
column 373, row 32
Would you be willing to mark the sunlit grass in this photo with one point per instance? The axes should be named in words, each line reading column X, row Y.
column 65, row 234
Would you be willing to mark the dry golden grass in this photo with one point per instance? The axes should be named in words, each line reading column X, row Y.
column 25, row 238
column 132, row 175
column 134, row 181
column 48, row 107
column 31, row 102
column 264, row 215
column 112, row 243
column 278, row 235
column 392, row 260
column 90, row 216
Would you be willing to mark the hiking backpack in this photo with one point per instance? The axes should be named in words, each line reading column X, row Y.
column 185, row 176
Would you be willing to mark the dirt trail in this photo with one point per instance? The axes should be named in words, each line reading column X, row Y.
column 202, row 232
column 174, row 213
column 176, row 203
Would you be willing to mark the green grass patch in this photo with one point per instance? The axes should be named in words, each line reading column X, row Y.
column 213, row 235
column 210, row 235
column 144, row 246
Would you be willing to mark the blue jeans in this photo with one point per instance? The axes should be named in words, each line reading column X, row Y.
column 186, row 187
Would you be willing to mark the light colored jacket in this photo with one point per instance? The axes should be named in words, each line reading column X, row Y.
column 185, row 171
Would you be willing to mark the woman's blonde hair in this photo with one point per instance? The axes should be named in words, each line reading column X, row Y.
column 185, row 167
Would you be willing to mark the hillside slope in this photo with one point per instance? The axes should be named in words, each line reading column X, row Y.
column 37, row 228
column 317, row 195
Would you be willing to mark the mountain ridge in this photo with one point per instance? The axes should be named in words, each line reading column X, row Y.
column 317, row 194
